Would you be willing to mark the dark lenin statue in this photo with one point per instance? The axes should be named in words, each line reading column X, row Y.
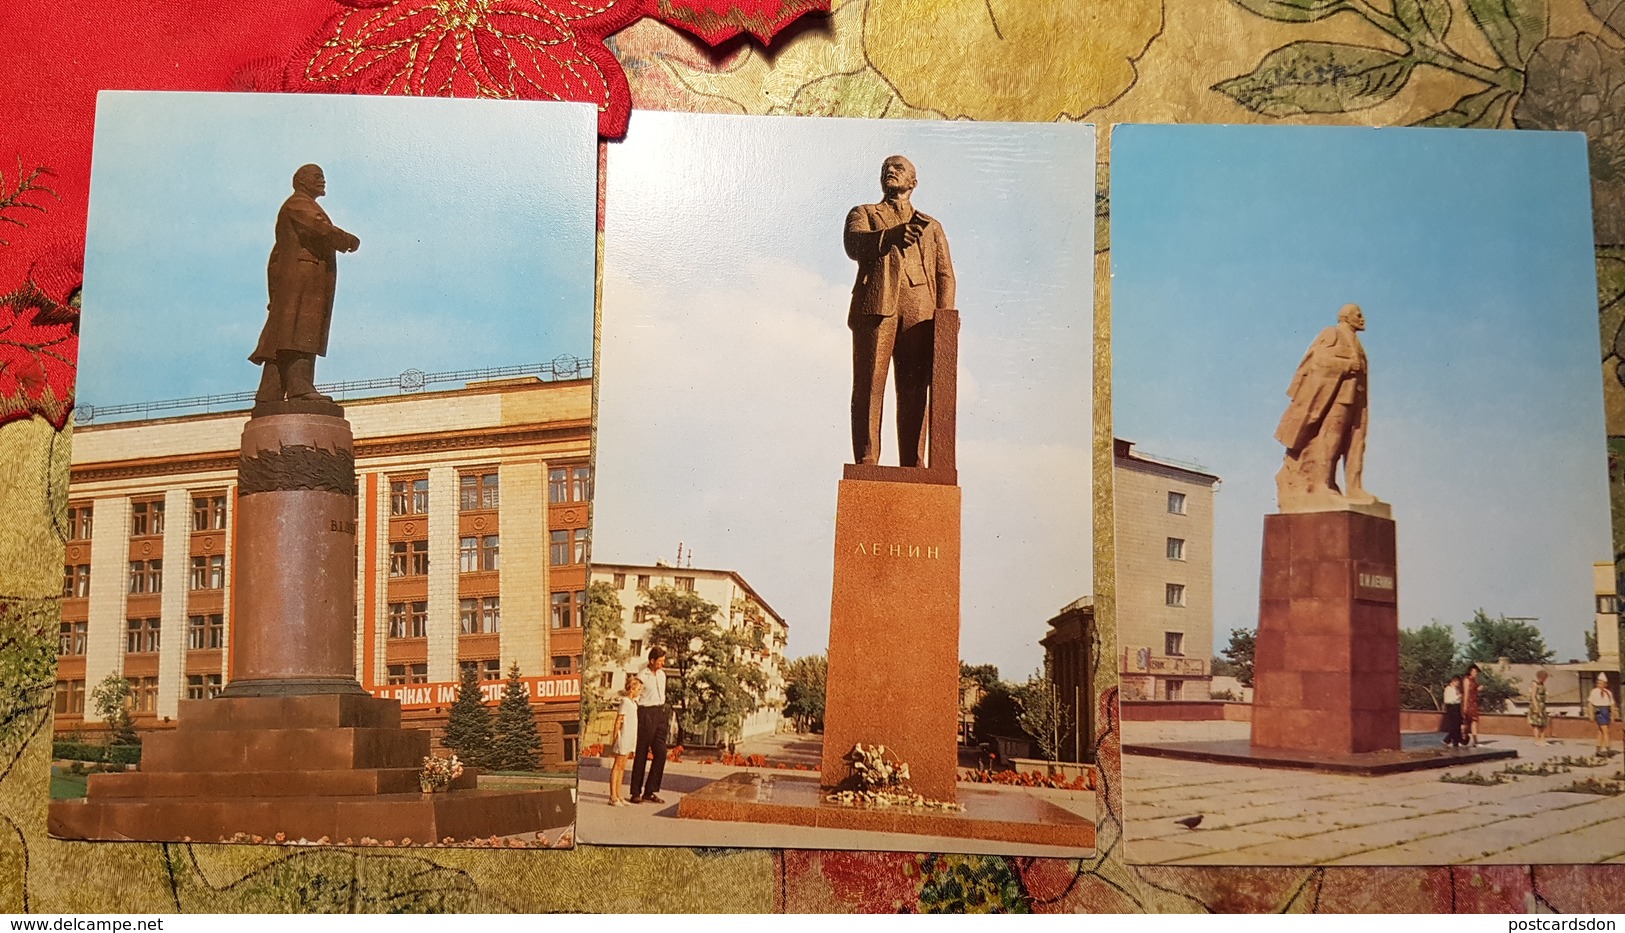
column 904, row 277
column 301, row 276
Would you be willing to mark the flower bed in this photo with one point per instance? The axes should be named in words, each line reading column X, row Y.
column 1084, row 781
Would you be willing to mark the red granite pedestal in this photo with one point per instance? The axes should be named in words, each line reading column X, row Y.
column 1326, row 666
column 894, row 630
column 336, row 766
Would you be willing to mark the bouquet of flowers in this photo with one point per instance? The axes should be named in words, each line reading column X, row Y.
column 438, row 773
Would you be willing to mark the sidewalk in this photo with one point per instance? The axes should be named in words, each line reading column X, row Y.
column 1261, row 816
column 597, row 823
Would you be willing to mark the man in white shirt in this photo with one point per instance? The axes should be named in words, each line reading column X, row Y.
column 653, row 721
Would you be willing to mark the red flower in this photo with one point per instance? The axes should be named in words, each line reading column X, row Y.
column 516, row 49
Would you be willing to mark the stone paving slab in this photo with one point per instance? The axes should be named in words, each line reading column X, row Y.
column 1257, row 817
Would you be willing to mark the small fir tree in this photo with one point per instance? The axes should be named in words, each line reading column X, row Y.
column 517, row 741
column 468, row 726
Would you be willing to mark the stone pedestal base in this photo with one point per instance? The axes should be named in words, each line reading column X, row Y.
column 335, row 766
column 1326, row 666
column 894, row 631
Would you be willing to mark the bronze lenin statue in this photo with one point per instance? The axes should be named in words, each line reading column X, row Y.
column 301, row 276
column 904, row 276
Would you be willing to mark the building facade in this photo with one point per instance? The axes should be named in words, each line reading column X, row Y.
column 1164, row 576
column 472, row 534
column 1068, row 648
column 737, row 603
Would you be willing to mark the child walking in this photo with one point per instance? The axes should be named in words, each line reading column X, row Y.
column 624, row 739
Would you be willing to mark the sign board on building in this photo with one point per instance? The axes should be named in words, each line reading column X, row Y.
column 561, row 689
column 1139, row 660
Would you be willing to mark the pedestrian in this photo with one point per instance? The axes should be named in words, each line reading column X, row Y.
column 1602, row 712
column 1469, row 707
column 653, row 722
column 1451, row 727
column 1538, row 718
column 624, row 739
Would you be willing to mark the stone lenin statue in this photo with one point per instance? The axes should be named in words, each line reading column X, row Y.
column 1326, row 421
column 904, row 276
column 301, row 276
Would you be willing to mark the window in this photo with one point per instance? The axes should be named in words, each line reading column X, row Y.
column 1175, row 594
column 686, row 584
column 558, row 484
column 409, row 620
column 408, row 558
column 558, row 551
column 79, row 523
column 1607, row 603
column 475, row 554
column 606, row 680
column 640, row 615
column 1173, row 689
column 409, row 496
column 205, row 632
column 1176, row 503
column 209, row 573
column 147, row 518
column 75, row 580
column 145, row 693
column 202, row 686
column 146, row 576
column 581, row 609
column 70, row 696
column 582, row 548
column 637, row 648
column 620, row 581
column 561, row 610
column 1173, row 644
column 489, row 670
column 72, row 637
column 581, row 484
column 569, row 484
column 208, row 513
column 141, row 636
column 561, row 664
column 480, row 616
column 408, row 673
column 643, row 581
column 477, row 491
column 1176, row 548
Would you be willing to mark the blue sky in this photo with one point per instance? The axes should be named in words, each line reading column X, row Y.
column 1471, row 254
column 726, row 363
column 476, row 223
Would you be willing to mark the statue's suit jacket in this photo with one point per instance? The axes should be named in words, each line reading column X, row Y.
column 1333, row 372
column 881, row 274
column 301, row 276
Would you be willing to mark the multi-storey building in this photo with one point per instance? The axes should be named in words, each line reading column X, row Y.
column 1164, row 576
column 738, row 606
column 472, row 536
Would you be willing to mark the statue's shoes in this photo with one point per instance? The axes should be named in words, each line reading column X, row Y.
column 310, row 397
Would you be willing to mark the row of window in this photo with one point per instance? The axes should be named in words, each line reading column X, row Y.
column 144, row 636
column 477, row 491
column 489, row 669
column 682, row 583
column 481, row 553
column 70, row 694
column 147, row 576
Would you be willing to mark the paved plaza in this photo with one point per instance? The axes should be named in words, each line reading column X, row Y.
column 658, row 824
column 1262, row 816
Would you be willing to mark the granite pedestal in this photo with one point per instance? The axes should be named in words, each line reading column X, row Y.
column 1326, row 665
column 894, row 630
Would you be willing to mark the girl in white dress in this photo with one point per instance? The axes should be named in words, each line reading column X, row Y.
column 625, row 737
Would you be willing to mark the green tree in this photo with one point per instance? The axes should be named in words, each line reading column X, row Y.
column 1042, row 715
column 1593, row 653
column 468, row 724
column 1494, row 690
column 517, row 742
column 997, row 713
column 1492, row 639
column 985, row 675
column 1427, row 658
column 804, row 683
column 602, row 646
column 111, row 699
column 1239, row 654
column 717, row 684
